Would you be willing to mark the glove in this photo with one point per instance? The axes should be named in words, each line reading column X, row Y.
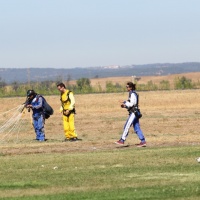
column 123, row 106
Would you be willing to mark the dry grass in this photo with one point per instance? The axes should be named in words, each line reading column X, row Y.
column 169, row 118
column 194, row 76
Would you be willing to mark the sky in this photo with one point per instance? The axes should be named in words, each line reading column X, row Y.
column 88, row 33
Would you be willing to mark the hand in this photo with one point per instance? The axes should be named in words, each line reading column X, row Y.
column 66, row 112
column 123, row 105
column 29, row 106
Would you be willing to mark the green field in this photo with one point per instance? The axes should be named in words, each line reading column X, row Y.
column 121, row 173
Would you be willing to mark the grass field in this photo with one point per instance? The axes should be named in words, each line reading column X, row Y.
column 95, row 168
column 193, row 76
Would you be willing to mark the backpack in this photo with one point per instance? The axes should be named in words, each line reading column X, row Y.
column 47, row 109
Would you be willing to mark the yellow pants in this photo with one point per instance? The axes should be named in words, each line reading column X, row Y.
column 69, row 128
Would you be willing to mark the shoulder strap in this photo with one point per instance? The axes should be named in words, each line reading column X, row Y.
column 68, row 99
column 38, row 96
column 137, row 96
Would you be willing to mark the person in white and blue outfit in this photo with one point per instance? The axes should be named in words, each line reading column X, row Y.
column 35, row 102
column 132, row 106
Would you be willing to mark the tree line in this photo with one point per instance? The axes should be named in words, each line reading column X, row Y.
column 83, row 86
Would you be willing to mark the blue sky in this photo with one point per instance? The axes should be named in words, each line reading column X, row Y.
column 86, row 33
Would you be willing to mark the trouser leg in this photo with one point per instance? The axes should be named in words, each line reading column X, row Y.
column 72, row 126
column 137, row 129
column 69, row 128
column 127, row 125
column 38, row 123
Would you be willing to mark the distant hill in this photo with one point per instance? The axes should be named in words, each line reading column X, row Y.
column 23, row 75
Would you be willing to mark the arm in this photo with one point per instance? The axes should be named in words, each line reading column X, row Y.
column 38, row 105
column 72, row 104
column 25, row 105
column 131, row 102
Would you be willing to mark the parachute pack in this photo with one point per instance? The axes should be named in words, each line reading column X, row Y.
column 47, row 109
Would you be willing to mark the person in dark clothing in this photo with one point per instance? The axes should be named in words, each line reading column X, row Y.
column 35, row 102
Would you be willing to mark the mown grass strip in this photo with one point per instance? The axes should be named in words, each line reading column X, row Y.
column 122, row 173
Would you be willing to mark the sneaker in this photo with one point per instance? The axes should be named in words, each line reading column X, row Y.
column 42, row 140
column 120, row 142
column 73, row 139
column 141, row 144
column 66, row 140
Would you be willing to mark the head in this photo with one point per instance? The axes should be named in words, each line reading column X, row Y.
column 31, row 94
column 61, row 87
column 130, row 86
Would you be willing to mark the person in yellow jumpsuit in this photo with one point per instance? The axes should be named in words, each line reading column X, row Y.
column 68, row 110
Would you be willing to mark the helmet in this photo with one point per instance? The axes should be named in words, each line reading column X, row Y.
column 30, row 93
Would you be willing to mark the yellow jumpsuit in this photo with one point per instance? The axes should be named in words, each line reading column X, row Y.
column 68, row 121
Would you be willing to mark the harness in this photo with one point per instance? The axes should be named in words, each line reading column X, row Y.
column 137, row 97
column 68, row 99
column 36, row 101
column 64, row 102
column 135, row 108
